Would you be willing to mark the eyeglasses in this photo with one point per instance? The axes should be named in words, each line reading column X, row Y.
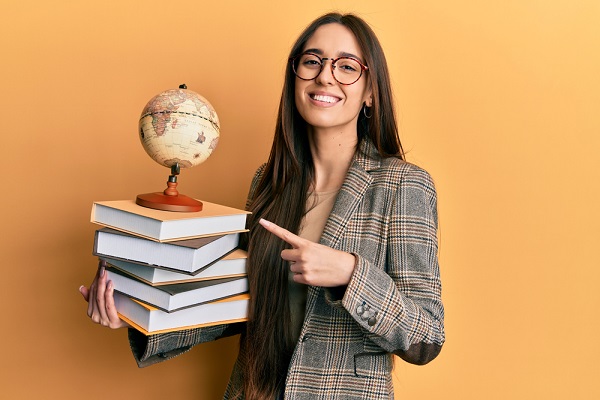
column 345, row 70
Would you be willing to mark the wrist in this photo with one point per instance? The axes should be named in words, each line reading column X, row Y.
column 349, row 266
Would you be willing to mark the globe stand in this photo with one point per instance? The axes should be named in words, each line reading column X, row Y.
column 169, row 199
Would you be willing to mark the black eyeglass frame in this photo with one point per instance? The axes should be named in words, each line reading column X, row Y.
column 332, row 66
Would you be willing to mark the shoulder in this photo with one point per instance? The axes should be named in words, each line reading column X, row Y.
column 389, row 171
column 260, row 170
column 395, row 170
column 408, row 188
column 254, row 184
column 258, row 174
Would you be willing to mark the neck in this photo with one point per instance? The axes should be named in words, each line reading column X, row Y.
column 332, row 153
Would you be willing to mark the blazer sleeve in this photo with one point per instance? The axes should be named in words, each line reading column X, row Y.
column 152, row 349
column 399, row 307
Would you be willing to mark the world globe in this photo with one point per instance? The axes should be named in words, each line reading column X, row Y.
column 179, row 126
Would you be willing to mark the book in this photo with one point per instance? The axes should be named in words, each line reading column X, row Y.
column 188, row 255
column 233, row 264
column 177, row 296
column 150, row 320
column 162, row 226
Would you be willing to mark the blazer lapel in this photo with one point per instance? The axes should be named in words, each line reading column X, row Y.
column 351, row 193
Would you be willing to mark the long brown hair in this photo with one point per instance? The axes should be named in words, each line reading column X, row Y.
column 266, row 346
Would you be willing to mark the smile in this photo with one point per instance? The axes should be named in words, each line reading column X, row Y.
column 324, row 98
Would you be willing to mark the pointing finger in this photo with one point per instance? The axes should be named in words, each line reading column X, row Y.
column 281, row 233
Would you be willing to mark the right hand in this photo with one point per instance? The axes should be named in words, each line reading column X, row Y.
column 101, row 303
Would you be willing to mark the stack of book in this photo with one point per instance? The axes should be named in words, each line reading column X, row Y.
column 173, row 270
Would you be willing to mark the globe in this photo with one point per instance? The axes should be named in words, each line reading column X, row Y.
column 178, row 128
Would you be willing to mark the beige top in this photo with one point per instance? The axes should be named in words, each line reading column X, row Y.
column 319, row 206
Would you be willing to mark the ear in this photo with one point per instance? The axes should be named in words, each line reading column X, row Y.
column 368, row 93
column 368, row 97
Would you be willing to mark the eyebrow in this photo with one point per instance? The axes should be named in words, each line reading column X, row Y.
column 340, row 54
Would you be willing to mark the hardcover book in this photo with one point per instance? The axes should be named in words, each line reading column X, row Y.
column 175, row 297
column 150, row 320
column 159, row 225
column 188, row 255
column 233, row 264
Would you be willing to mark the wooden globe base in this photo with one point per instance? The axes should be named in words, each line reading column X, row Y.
column 169, row 200
column 161, row 201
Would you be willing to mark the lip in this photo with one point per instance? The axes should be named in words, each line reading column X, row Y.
column 324, row 99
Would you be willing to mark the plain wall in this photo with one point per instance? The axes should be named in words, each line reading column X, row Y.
column 498, row 100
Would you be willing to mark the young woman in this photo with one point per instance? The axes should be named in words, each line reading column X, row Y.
column 342, row 247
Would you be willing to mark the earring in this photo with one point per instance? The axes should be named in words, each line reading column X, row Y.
column 365, row 111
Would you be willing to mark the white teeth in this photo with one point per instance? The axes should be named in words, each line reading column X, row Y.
column 326, row 99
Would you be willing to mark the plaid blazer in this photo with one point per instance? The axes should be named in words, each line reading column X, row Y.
column 386, row 215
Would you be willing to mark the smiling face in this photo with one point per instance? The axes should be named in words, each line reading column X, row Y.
column 323, row 102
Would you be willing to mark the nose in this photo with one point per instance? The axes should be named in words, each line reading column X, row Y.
column 325, row 77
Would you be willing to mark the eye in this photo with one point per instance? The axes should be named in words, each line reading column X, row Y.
column 348, row 65
column 310, row 61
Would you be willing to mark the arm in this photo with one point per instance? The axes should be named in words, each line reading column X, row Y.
column 149, row 350
column 400, row 307
column 398, row 304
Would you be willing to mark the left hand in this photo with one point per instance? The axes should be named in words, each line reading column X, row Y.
column 313, row 263
column 101, row 303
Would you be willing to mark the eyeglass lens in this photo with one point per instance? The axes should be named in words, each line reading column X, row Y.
column 345, row 70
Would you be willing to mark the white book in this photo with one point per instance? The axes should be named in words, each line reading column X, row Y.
column 189, row 255
column 160, row 225
column 175, row 297
column 233, row 264
column 150, row 320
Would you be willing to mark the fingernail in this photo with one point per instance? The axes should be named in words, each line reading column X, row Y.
column 109, row 285
column 80, row 287
column 264, row 222
column 101, row 272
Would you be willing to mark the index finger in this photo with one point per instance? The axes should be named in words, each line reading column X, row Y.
column 282, row 233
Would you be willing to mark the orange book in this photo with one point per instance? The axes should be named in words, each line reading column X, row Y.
column 150, row 320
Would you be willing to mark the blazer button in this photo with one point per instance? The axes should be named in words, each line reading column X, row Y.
column 372, row 321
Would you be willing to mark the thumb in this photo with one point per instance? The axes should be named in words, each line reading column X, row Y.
column 85, row 292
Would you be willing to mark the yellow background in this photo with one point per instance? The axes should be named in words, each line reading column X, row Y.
column 499, row 100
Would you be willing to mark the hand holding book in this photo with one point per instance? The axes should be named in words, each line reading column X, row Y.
column 101, row 303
